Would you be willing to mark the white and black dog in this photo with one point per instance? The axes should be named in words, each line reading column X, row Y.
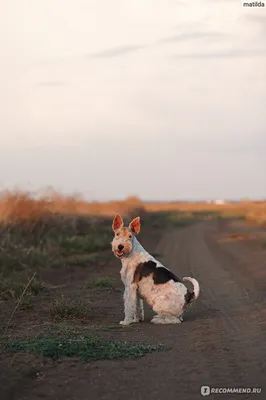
column 146, row 278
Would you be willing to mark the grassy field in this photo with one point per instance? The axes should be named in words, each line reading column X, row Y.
column 45, row 242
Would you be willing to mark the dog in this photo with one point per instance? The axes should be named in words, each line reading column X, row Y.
column 147, row 279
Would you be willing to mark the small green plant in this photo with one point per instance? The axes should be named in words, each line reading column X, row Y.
column 101, row 283
column 65, row 307
column 13, row 286
column 84, row 347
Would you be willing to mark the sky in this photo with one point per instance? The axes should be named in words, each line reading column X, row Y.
column 161, row 99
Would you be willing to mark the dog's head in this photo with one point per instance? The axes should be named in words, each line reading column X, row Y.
column 123, row 240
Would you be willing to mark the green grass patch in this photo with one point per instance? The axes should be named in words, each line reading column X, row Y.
column 91, row 243
column 104, row 282
column 34, row 245
column 83, row 347
column 67, row 308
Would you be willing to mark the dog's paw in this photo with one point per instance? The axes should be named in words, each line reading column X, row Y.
column 125, row 323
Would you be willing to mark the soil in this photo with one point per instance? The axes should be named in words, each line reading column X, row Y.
column 221, row 342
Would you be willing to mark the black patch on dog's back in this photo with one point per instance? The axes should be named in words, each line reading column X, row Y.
column 160, row 274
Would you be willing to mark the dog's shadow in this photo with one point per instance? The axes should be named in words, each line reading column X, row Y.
column 201, row 313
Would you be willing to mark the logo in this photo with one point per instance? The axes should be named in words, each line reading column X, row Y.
column 205, row 390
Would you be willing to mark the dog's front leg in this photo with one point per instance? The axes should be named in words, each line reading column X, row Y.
column 139, row 316
column 130, row 302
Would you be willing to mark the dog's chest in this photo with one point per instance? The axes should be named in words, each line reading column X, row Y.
column 127, row 274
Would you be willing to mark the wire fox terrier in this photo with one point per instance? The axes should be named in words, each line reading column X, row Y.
column 146, row 278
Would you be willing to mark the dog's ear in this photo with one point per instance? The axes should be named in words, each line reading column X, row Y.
column 135, row 225
column 117, row 222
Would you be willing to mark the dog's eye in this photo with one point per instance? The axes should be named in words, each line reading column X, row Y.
column 130, row 236
column 117, row 234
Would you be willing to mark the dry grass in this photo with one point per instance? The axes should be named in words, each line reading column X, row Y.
column 22, row 207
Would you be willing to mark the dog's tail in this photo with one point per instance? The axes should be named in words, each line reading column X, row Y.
column 196, row 286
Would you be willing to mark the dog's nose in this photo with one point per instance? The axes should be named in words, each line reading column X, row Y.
column 120, row 247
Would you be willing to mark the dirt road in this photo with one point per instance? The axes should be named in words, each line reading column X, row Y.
column 221, row 342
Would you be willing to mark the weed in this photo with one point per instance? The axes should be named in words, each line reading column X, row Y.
column 84, row 347
column 65, row 307
column 26, row 302
column 13, row 286
column 21, row 298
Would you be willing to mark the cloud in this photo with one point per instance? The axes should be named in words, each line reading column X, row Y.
column 127, row 49
column 223, row 54
column 256, row 18
column 258, row 21
column 115, row 52
column 107, row 53
column 51, row 83
column 193, row 35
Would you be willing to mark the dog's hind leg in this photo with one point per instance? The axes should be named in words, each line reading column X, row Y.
column 158, row 319
column 172, row 320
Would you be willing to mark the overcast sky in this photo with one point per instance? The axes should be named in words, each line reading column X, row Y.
column 162, row 99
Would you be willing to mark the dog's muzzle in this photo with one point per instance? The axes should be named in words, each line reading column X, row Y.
column 119, row 253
